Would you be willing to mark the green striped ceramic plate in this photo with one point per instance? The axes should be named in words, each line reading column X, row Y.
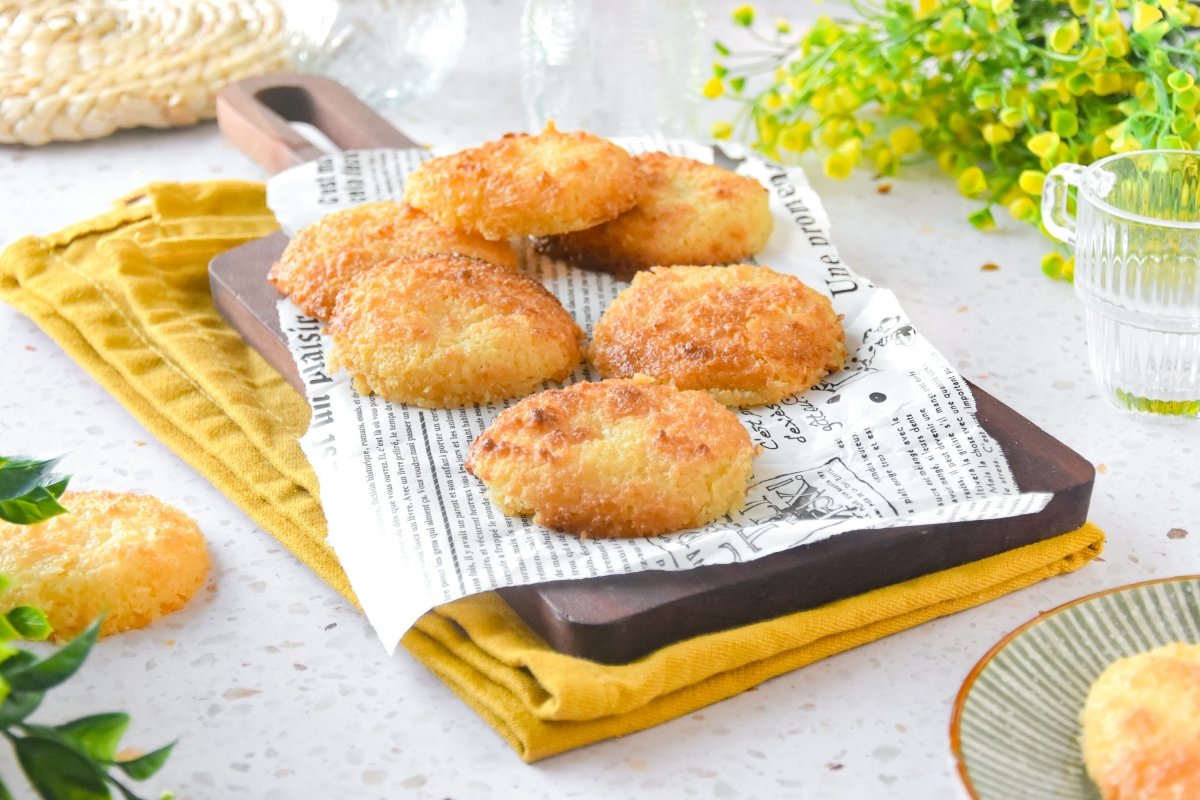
column 1015, row 730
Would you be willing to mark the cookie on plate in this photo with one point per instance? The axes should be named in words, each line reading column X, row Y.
column 747, row 335
column 615, row 459
column 689, row 213
column 522, row 185
column 321, row 258
column 128, row 555
column 443, row 331
column 1141, row 726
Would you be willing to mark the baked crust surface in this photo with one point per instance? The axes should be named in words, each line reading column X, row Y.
column 747, row 335
column 442, row 331
column 320, row 259
column 131, row 556
column 689, row 213
column 522, row 185
column 615, row 459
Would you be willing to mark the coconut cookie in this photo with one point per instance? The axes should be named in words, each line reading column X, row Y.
column 524, row 185
column 129, row 556
column 689, row 213
column 1141, row 726
column 444, row 331
column 615, row 459
column 320, row 259
column 747, row 335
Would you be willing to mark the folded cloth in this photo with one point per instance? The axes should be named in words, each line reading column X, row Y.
column 126, row 295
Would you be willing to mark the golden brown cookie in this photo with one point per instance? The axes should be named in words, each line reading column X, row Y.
column 442, row 331
column 129, row 555
column 689, row 213
column 524, row 185
column 746, row 335
column 615, row 459
column 1141, row 726
column 321, row 258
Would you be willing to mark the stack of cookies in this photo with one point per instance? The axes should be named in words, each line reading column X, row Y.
column 426, row 305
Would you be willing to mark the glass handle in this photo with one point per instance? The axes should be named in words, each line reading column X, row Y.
column 1055, row 216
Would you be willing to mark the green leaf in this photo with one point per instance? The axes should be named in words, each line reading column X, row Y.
column 18, row 706
column 15, row 661
column 99, row 735
column 29, row 622
column 146, row 766
column 57, row 667
column 58, row 772
column 20, row 474
column 38, row 505
column 126, row 792
column 4, row 793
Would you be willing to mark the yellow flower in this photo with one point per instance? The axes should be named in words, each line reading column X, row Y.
column 927, row 7
column 838, row 166
column 1065, row 37
column 905, row 140
column 721, row 130
column 773, row 102
column 1023, row 209
column 1145, row 15
column 1012, row 117
column 886, row 162
column 713, row 88
column 744, row 15
column 1031, row 181
column 972, row 182
column 1000, row 6
column 994, row 133
column 1044, row 144
column 1107, row 83
column 797, row 136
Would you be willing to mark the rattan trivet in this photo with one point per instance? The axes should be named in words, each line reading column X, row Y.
column 81, row 69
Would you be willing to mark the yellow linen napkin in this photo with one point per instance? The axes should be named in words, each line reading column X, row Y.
column 126, row 295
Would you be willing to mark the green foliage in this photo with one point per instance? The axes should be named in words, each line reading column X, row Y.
column 73, row 760
column 994, row 90
column 29, row 491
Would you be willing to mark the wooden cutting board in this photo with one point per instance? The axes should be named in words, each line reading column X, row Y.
column 619, row 618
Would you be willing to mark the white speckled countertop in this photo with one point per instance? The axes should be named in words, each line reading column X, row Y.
column 277, row 688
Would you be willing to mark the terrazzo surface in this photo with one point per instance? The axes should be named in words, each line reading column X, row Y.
column 277, row 688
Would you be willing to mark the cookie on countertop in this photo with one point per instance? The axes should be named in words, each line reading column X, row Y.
column 747, row 335
column 615, row 459
column 522, row 185
column 689, row 213
column 443, row 331
column 321, row 258
column 128, row 555
column 1141, row 726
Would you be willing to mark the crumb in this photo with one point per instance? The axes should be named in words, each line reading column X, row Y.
column 1102, row 468
column 990, row 267
column 31, row 348
column 883, row 188
column 1177, row 533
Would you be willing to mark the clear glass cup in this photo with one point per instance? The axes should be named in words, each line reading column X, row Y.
column 1136, row 235
column 614, row 67
column 388, row 52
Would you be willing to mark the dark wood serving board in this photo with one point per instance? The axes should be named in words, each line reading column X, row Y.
column 619, row 618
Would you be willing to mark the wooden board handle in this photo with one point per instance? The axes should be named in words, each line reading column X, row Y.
column 254, row 114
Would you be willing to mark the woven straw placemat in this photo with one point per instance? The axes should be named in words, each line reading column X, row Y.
column 81, row 69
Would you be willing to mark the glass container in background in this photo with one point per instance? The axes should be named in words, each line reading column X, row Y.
column 388, row 52
column 1136, row 236
column 614, row 67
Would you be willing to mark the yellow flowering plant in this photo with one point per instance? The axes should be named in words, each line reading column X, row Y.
column 997, row 91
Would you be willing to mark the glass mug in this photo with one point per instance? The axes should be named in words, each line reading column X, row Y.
column 1136, row 235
